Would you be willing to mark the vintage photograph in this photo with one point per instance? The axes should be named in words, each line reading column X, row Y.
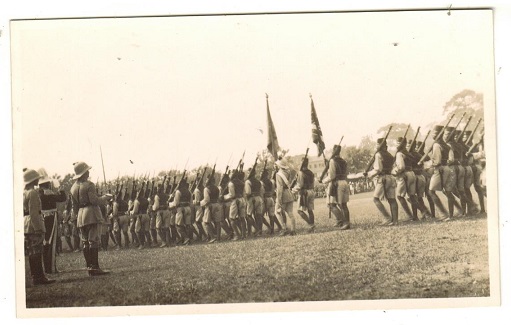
column 200, row 162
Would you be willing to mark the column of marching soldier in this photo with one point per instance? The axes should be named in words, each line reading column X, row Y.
column 180, row 213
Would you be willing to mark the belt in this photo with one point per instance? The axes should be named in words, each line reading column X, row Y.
column 84, row 205
column 183, row 205
column 213, row 201
column 50, row 212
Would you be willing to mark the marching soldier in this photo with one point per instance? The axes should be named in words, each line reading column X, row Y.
column 454, row 163
column 121, row 220
column 49, row 200
column 306, row 195
column 183, row 212
column 478, row 165
column 338, row 188
column 237, row 206
column 197, row 197
column 427, row 172
column 254, row 201
column 420, row 181
column 212, row 209
column 86, row 207
column 142, row 219
column 229, row 228
column 284, row 200
column 133, row 221
column 34, row 228
column 162, row 215
column 442, row 178
column 269, row 202
column 384, row 183
column 405, row 179
column 468, row 163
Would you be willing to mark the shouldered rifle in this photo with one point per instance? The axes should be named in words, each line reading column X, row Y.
column 414, row 141
column 371, row 162
column 253, row 170
column 327, row 165
column 240, row 163
column 457, row 139
column 293, row 183
column 469, row 151
column 406, row 132
column 423, row 144
column 473, row 133
column 264, row 166
column 438, row 136
column 451, row 135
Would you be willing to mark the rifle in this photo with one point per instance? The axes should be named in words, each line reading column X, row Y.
column 371, row 162
column 452, row 133
column 327, row 165
column 264, row 166
column 414, row 141
column 253, row 170
column 423, row 144
column 293, row 183
column 406, row 132
column 240, row 163
column 469, row 151
column 460, row 136
column 473, row 133
column 438, row 136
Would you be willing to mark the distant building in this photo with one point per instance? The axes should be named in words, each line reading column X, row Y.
column 316, row 164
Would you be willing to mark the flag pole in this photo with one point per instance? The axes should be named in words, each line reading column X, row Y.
column 102, row 164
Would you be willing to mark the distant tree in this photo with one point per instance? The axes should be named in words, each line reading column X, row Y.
column 357, row 158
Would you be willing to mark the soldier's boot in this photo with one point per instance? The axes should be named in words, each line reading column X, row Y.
column 113, row 238
column 471, row 206
column 117, row 235
column 414, row 202
column 406, row 208
column 236, row 227
column 148, row 239
column 163, row 237
column 168, row 236
column 35, row 262
column 134, row 238
column 95, row 270
column 87, row 256
column 69, row 244
column 387, row 219
column 346, row 215
column 338, row 214
column 394, row 211
column 190, row 230
column 265, row 222
column 228, row 230
column 312, row 224
column 104, row 242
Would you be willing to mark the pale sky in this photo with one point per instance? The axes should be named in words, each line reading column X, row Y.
column 159, row 91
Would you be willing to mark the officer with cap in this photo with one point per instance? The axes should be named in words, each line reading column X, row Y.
column 285, row 199
column 338, row 188
column 34, row 228
column 86, row 206
column 384, row 183
column 49, row 199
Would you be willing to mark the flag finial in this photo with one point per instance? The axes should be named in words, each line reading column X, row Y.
column 310, row 95
column 266, row 95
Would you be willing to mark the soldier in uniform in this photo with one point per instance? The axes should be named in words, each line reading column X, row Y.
column 306, row 195
column 142, row 220
column 405, row 179
column 454, row 163
column 153, row 234
column 49, row 199
column 162, row 211
column 34, row 228
column 269, row 202
column 451, row 164
column 284, row 200
column 133, row 221
column 212, row 209
column 420, row 181
column 442, row 178
column 121, row 220
column 198, row 210
column 67, row 226
column 86, row 207
column 475, row 160
column 183, row 212
column 237, row 207
column 338, row 189
column 427, row 172
column 384, row 183
column 230, row 229
column 254, row 201
column 468, row 164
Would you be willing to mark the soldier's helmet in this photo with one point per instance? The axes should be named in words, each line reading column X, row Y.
column 44, row 176
column 400, row 143
column 448, row 131
column 305, row 163
column 466, row 135
column 30, row 175
column 336, row 150
column 381, row 142
column 211, row 180
column 80, row 169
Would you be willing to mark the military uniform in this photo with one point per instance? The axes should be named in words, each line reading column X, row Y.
column 237, row 206
column 86, row 206
column 198, row 211
column 213, row 213
column 183, row 212
column 405, row 179
column 384, row 183
column 420, row 182
column 306, row 195
column 142, row 219
column 284, row 200
column 121, row 220
column 163, row 216
column 338, row 189
column 34, row 228
column 269, row 202
column 254, row 202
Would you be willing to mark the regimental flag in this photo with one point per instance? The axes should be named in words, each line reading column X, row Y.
column 317, row 135
column 273, row 143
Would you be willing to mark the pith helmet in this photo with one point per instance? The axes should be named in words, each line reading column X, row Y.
column 400, row 141
column 381, row 141
column 282, row 164
column 336, row 150
column 80, row 169
column 437, row 128
column 44, row 176
column 30, row 175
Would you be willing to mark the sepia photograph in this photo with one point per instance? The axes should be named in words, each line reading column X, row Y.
column 255, row 162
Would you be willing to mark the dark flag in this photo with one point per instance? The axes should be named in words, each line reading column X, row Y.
column 273, row 143
column 317, row 135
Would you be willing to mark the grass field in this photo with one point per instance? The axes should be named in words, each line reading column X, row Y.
column 413, row 260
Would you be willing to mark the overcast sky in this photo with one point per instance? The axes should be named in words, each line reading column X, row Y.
column 159, row 91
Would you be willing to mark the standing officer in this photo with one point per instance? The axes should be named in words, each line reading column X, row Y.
column 86, row 207
column 338, row 188
column 34, row 229
column 49, row 201
column 306, row 195
column 384, row 183
column 284, row 200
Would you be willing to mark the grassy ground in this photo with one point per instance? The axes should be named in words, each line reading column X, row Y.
column 413, row 260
